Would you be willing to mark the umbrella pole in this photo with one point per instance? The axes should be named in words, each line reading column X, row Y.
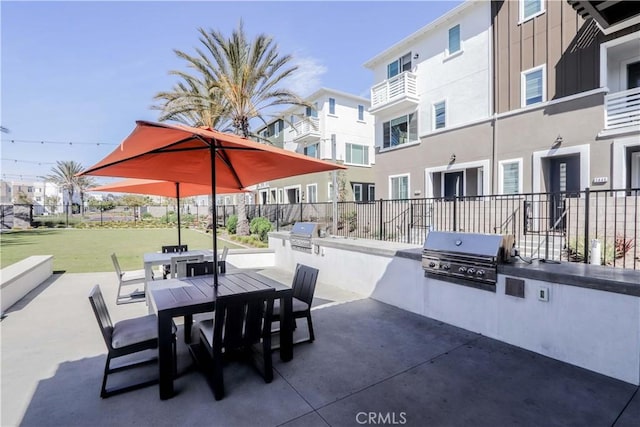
column 214, row 214
column 178, row 209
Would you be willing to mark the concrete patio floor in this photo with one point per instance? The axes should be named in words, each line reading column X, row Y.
column 371, row 363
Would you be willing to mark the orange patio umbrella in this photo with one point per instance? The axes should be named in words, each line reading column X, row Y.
column 202, row 156
column 161, row 188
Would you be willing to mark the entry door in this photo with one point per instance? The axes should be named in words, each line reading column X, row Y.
column 453, row 184
column 564, row 181
column 635, row 169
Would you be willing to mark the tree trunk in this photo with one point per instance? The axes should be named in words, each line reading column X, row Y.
column 242, row 228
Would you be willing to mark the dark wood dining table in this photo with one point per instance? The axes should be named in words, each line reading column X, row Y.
column 191, row 295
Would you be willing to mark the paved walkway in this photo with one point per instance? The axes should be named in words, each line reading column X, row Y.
column 371, row 364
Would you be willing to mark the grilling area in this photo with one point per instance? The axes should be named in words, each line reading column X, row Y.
column 393, row 342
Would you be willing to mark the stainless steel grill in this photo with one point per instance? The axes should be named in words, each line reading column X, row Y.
column 468, row 256
column 301, row 235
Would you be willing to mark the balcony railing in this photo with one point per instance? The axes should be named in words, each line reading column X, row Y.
column 622, row 109
column 400, row 87
column 308, row 128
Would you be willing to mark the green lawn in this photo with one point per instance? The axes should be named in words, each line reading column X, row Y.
column 89, row 250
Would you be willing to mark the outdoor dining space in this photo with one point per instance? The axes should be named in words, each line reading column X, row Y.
column 370, row 363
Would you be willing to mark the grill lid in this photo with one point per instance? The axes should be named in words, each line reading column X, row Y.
column 306, row 229
column 475, row 244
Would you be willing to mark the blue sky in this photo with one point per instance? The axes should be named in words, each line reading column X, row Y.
column 84, row 72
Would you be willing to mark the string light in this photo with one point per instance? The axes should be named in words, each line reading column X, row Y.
column 27, row 141
column 27, row 161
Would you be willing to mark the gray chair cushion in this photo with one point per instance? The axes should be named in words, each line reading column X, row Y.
column 133, row 331
column 297, row 305
column 206, row 326
column 133, row 275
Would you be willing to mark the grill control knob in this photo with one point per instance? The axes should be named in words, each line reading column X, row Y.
column 432, row 264
column 480, row 273
column 445, row 266
column 471, row 270
column 462, row 269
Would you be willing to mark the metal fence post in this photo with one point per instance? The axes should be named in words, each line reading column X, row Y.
column 277, row 217
column 301, row 209
column 381, row 223
column 586, row 224
column 455, row 213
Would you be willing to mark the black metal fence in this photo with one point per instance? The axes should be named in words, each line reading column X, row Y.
column 555, row 226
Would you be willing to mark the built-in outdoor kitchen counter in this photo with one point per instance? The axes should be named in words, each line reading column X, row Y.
column 602, row 278
column 585, row 315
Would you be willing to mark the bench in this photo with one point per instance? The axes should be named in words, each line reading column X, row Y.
column 20, row 278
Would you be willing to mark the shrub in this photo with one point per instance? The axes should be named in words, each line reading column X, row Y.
column 260, row 226
column 232, row 224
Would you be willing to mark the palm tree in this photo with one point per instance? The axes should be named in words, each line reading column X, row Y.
column 243, row 78
column 64, row 176
column 83, row 183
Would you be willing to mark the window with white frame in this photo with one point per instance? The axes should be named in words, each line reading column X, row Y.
column 330, row 191
column 357, row 192
column 439, row 115
column 312, row 193
column 530, row 9
column 356, row 154
column 399, row 65
column 332, row 106
column 399, row 187
column 361, row 112
column 277, row 128
column 454, row 39
column 312, row 151
column 533, row 84
column 510, row 179
column 400, row 130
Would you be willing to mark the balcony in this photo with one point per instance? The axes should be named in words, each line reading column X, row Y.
column 307, row 131
column 622, row 109
column 396, row 93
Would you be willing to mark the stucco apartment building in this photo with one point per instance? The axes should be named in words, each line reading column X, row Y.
column 339, row 127
column 506, row 97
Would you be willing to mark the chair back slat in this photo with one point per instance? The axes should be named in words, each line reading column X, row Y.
column 242, row 320
column 199, row 268
column 116, row 265
column 304, row 283
column 102, row 314
column 223, row 255
column 179, row 264
column 174, row 248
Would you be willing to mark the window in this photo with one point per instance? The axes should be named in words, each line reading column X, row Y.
column 510, row 176
column 357, row 192
column 399, row 65
column 361, row 112
column 332, row 106
column 312, row 111
column 533, row 86
column 399, row 187
column 312, row 193
column 277, row 128
column 439, row 115
column 530, row 9
column 357, row 154
column 312, row 151
column 454, row 39
column 400, row 131
column 372, row 192
column 330, row 191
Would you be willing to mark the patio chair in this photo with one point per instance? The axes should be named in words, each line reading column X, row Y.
column 127, row 278
column 222, row 260
column 166, row 269
column 304, row 286
column 179, row 264
column 241, row 330
column 199, row 268
column 126, row 337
